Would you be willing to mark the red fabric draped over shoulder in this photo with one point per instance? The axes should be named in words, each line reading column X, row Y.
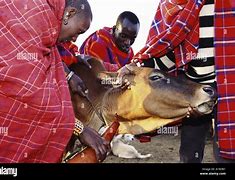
column 34, row 97
column 101, row 45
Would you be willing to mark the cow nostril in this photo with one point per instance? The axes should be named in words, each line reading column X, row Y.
column 209, row 90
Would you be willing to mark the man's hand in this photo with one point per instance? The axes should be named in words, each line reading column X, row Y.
column 125, row 70
column 193, row 113
column 75, row 83
column 82, row 59
column 136, row 62
column 92, row 139
column 77, row 86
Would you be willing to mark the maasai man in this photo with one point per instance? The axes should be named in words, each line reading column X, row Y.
column 113, row 45
column 198, row 37
column 36, row 108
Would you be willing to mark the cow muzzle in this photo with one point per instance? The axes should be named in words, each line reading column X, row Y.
column 207, row 106
column 200, row 110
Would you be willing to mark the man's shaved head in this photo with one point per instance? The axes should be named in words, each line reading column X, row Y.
column 76, row 20
column 128, row 15
column 126, row 30
column 80, row 5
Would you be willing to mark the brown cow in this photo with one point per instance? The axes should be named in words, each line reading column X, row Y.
column 155, row 98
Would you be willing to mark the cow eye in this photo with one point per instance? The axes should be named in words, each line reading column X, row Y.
column 155, row 77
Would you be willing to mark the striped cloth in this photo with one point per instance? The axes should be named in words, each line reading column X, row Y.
column 36, row 109
column 101, row 45
column 201, row 69
column 224, row 44
column 68, row 52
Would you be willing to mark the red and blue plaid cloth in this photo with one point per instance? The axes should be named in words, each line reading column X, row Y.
column 101, row 45
column 225, row 71
column 35, row 104
column 176, row 27
column 68, row 52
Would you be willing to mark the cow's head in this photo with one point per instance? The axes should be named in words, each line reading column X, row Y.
column 155, row 98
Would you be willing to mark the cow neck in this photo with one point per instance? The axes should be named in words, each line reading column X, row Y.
column 106, row 110
column 95, row 109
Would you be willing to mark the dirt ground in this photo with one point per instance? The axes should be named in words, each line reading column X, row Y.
column 164, row 148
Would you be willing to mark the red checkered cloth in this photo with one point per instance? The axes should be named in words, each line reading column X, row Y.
column 36, row 110
column 68, row 52
column 175, row 26
column 225, row 71
column 101, row 45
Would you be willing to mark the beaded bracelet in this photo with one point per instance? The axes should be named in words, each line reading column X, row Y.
column 79, row 127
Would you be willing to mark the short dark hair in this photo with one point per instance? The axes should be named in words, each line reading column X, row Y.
column 128, row 15
column 80, row 4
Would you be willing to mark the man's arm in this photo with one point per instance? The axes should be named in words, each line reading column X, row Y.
column 75, row 83
column 172, row 29
column 86, row 135
column 91, row 138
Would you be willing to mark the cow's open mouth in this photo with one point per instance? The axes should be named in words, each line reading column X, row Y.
column 206, row 107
